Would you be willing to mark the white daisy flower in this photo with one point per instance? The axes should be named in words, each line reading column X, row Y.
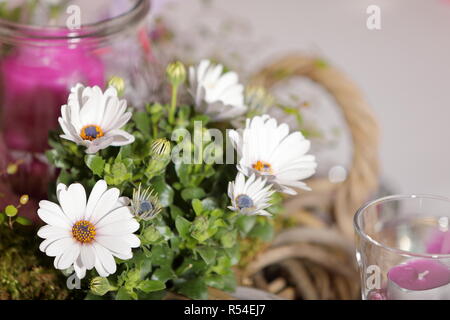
column 87, row 233
column 250, row 197
column 216, row 94
column 267, row 149
column 94, row 119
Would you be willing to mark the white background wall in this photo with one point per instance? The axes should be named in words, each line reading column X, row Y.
column 403, row 69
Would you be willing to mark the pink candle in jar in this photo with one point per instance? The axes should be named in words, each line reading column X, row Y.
column 419, row 279
column 35, row 83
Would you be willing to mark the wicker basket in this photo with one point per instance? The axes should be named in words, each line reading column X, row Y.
column 315, row 260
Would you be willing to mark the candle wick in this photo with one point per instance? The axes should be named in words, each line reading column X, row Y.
column 423, row 274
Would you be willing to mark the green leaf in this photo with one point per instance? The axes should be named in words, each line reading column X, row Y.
column 151, row 285
column 200, row 229
column 24, row 221
column 175, row 212
column 150, row 235
column 162, row 255
column 165, row 192
column 183, row 226
column 143, row 123
column 119, row 172
column 192, row 193
column 163, row 274
column 245, row 223
column 194, row 289
column 11, row 210
column 123, row 294
column 2, row 217
column 95, row 163
column 197, row 206
column 228, row 239
column 264, row 231
column 223, row 265
column 207, row 253
column 209, row 204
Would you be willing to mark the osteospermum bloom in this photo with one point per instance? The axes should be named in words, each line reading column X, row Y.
column 87, row 233
column 145, row 204
column 251, row 196
column 218, row 95
column 269, row 150
column 95, row 119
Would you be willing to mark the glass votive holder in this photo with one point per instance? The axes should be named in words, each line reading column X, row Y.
column 49, row 46
column 403, row 248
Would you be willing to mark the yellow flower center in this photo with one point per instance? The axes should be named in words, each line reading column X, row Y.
column 91, row 132
column 83, row 231
column 262, row 166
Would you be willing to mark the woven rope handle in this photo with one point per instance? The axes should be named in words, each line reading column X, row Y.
column 362, row 180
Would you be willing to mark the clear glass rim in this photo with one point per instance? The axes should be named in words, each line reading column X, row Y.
column 13, row 32
column 362, row 234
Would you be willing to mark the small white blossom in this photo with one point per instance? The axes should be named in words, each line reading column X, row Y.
column 250, row 197
column 268, row 149
column 218, row 95
column 94, row 119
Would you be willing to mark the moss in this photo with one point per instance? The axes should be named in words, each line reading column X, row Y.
column 25, row 273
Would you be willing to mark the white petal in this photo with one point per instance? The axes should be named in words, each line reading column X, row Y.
column 73, row 201
column 55, row 209
column 120, row 137
column 105, row 204
column 100, row 269
column 79, row 268
column 98, row 144
column 119, row 214
column 49, row 231
column 57, row 247
column 69, row 257
column 132, row 240
column 54, row 219
column 119, row 228
column 105, row 258
column 87, row 256
column 97, row 191
column 114, row 244
column 44, row 244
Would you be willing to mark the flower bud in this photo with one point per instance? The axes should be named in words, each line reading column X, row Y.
column 145, row 204
column 24, row 199
column 117, row 83
column 12, row 168
column 100, row 286
column 160, row 148
column 160, row 157
column 176, row 73
column 11, row 211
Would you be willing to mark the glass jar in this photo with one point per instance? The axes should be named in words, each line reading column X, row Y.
column 403, row 248
column 46, row 47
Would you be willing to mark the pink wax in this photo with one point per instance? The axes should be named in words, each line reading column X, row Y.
column 420, row 274
column 439, row 242
column 35, row 83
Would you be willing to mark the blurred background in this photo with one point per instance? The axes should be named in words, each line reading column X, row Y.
column 402, row 69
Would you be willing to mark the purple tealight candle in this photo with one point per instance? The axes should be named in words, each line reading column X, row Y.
column 419, row 279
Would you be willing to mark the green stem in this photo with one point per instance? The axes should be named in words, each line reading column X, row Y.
column 155, row 130
column 173, row 105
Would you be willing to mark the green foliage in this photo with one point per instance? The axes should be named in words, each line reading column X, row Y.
column 195, row 241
